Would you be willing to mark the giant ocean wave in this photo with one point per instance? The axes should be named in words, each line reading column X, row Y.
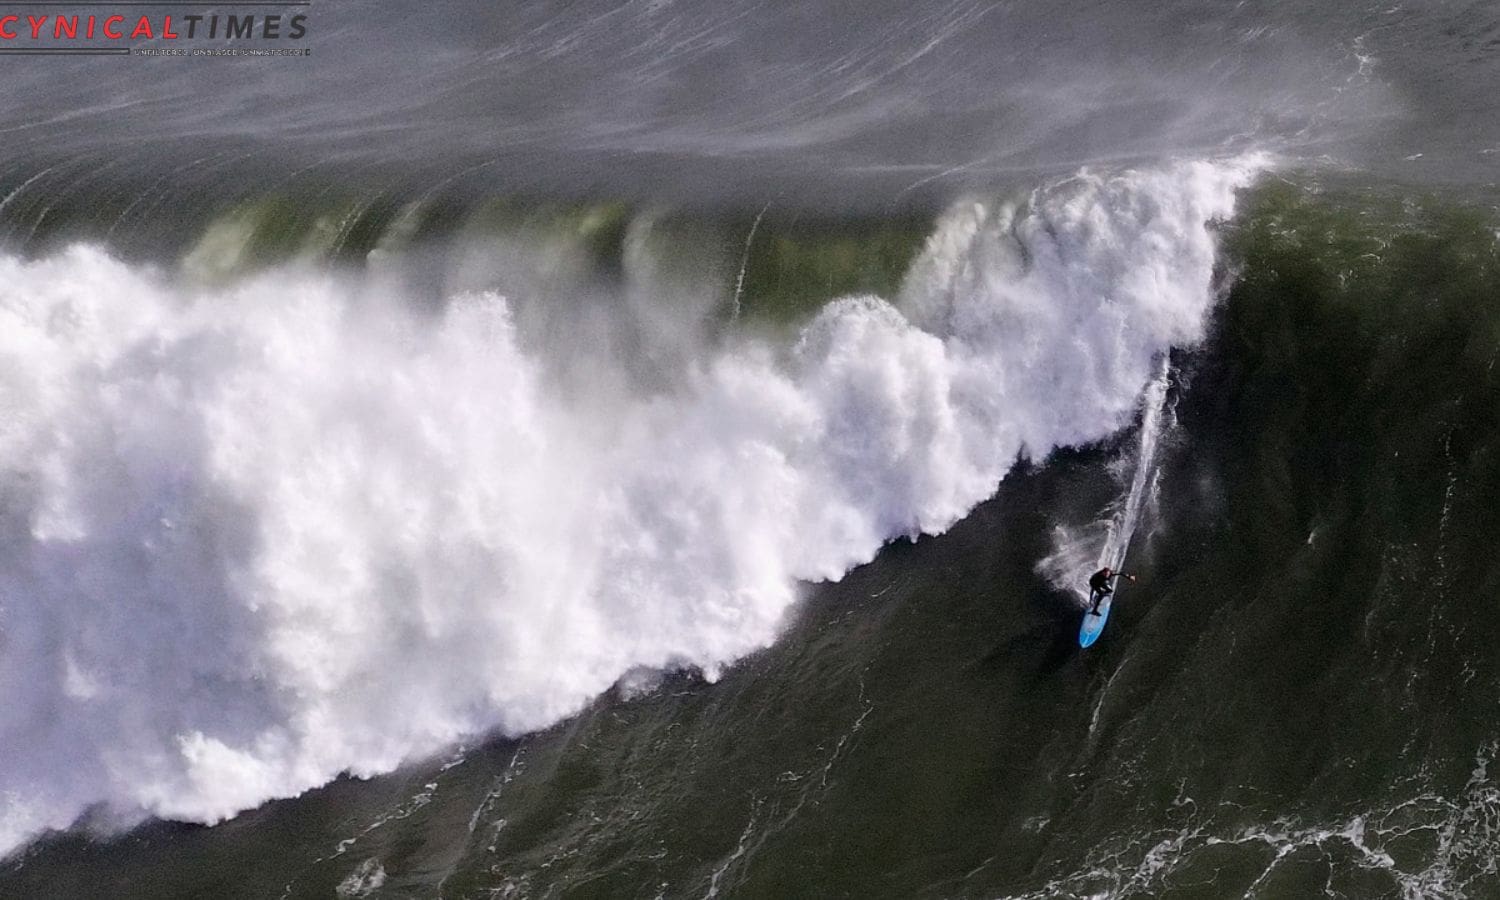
column 267, row 529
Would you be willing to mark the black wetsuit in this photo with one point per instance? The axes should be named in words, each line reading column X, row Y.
column 1100, row 587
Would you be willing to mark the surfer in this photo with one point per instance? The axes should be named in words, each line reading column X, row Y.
column 1100, row 587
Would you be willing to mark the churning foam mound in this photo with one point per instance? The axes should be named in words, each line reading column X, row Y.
column 256, row 537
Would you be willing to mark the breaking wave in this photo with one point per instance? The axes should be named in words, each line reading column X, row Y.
column 260, row 534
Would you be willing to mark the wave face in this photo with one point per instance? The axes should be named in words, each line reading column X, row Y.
column 260, row 534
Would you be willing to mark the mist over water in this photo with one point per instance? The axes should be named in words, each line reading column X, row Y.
column 738, row 103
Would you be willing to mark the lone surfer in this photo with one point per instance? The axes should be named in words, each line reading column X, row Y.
column 1100, row 587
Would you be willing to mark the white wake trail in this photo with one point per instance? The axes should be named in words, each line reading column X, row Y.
column 1078, row 552
column 1122, row 528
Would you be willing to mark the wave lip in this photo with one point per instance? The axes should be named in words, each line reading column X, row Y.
column 262, row 535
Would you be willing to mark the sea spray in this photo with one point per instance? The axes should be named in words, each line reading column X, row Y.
column 264, row 533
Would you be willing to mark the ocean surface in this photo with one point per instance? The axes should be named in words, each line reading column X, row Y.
column 657, row 449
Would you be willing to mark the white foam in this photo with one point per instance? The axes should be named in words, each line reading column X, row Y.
column 363, row 881
column 255, row 537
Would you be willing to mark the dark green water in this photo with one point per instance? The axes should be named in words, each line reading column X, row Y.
column 1299, row 698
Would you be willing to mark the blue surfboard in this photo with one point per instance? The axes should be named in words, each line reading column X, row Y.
column 1093, row 625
